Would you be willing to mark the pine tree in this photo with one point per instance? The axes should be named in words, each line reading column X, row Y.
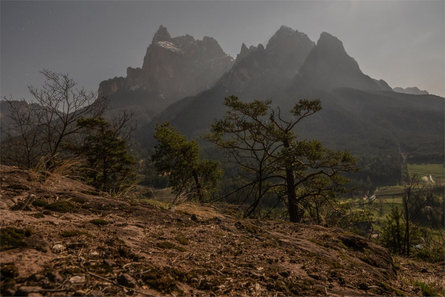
column 109, row 165
column 262, row 141
column 178, row 158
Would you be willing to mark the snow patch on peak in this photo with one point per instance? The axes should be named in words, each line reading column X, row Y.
column 169, row 46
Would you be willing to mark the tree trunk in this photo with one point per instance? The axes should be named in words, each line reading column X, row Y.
column 407, row 239
column 256, row 202
column 406, row 199
column 292, row 204
column 104, row 173
column 398, row 237
column 291, row 196
column 198, row 187
column 318, row 212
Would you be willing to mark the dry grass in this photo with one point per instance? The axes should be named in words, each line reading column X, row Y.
column 203, row 212
column 422, row 275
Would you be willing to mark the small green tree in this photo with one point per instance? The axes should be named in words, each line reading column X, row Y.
column 178, row 158
column 394, row 232
column 109, row 165
column 262, row 141
column 417, row 202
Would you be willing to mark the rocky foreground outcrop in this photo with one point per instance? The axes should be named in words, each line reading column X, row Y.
column 60, row 237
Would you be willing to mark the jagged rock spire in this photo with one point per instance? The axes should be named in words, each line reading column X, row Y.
column 243, row 52
column 161, row 35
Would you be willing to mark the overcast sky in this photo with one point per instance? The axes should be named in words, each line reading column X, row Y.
column 402, row 42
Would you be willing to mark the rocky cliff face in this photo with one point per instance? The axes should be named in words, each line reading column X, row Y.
column 173, row 68
column 110, row 86
column 182, row 66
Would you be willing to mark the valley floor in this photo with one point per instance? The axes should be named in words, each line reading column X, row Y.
column 60, row 237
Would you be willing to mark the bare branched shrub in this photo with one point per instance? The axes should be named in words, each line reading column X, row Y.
column 22, row 141
column 41, row 126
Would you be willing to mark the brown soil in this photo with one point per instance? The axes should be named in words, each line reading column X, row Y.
column 136, row 249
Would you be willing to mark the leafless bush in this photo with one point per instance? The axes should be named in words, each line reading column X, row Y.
column 40, row 127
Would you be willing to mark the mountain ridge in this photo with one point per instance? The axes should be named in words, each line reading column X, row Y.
column 369, row 116
column 411, row 90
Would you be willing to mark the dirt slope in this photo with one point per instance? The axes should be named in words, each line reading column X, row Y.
column 70, row 240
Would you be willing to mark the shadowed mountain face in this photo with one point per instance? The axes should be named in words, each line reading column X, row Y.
column 173, row 68
column 258, row 68
column 374, row 122
column 328, row 66
column 359, row 113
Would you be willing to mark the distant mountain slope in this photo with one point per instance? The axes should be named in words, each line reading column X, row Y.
column 410, row 90
column 377, row 121
column 359, row 113
column 173, row 68
column 8, row 126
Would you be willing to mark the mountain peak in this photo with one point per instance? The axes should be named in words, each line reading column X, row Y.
column 244, row 49
column 161, row 35
column 174, row 67
column 287, row 37
column 278, row 62
column 243, row 52
column 329, row 66
column 330, row 44
column 284, row 28
column 326, row 38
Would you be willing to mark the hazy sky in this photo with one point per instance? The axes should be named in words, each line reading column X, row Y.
column 402, row 42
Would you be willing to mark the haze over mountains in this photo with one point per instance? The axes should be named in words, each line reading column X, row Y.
column 185, row 81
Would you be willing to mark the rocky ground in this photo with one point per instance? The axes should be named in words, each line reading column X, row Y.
column 61, row 237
